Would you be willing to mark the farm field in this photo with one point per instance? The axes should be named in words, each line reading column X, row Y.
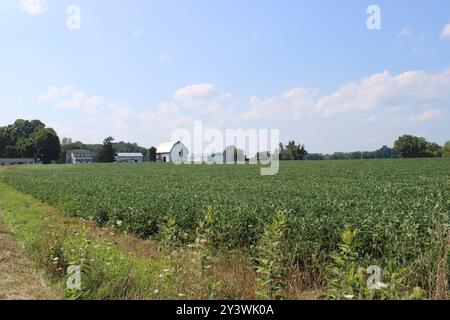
column 325, row 219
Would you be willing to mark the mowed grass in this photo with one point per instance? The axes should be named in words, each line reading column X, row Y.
column 397, row 206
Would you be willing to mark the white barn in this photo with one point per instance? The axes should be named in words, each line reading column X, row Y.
column 129, row 157
column 172, row 151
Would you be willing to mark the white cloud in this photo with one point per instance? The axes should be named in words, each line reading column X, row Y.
column 192, row 96
column 69, row 97
column 445, row 34
column 383, row 90
column 427, row 115
column 95, row 101
column 54, row 92
column 194, row 91
column 33, row 7
column 168, row 108
column 78, row 99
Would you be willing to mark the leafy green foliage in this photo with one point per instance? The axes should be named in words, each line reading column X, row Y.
column 107, row 153
column 349, row 278
column 416, row 147
column 446, row 149
column 29, row 139
column 393, row 204
column 292, row 151
column 152, row 154
column 271, row 257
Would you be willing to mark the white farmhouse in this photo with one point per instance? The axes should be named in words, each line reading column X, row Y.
column 129, row 157
column 79, row 156
column 172, row 152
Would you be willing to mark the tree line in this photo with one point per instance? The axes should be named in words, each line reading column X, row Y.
column 32, row 139
column 406, row 146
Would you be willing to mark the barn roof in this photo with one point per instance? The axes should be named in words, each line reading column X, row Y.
column 166, row 147
column 129, row 154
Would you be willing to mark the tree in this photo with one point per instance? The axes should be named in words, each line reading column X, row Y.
column 446, row 149
column 338, row 156
column 411, row 147
column 5, row 141
column 433, row 150
column 47, row 145
column 152, row 154
column 66, row 141
column 357, row 155
column 384, row 153
column 29, row 139
column 27, row 148
column 23, row 129
column 416, row 147
column 107, row 153
column 292, row 151
column 366, row 155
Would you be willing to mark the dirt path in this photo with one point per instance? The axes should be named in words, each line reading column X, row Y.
column 18, row 278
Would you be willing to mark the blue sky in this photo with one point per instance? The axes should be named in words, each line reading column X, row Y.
column 137, row 70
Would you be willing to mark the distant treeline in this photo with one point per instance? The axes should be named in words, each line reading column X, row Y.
column 406, row 146
column 384, row 153
column 32, row 139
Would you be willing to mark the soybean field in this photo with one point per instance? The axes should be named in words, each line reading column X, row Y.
column 397, row 206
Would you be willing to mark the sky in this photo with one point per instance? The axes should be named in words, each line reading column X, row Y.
column 138, row 70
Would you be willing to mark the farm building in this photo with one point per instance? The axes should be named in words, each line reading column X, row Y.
column 129, row 158
column 79, row 156
column 216, row 158
column 15, row 161
column 172, row 152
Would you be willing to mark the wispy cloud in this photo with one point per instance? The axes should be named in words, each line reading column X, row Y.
column 193, row 95
column 33, row 7
column 411, row 40
column 54, row 92
column 445, row 34
column 407, row 32
column 427, row 115
column 68, row 97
